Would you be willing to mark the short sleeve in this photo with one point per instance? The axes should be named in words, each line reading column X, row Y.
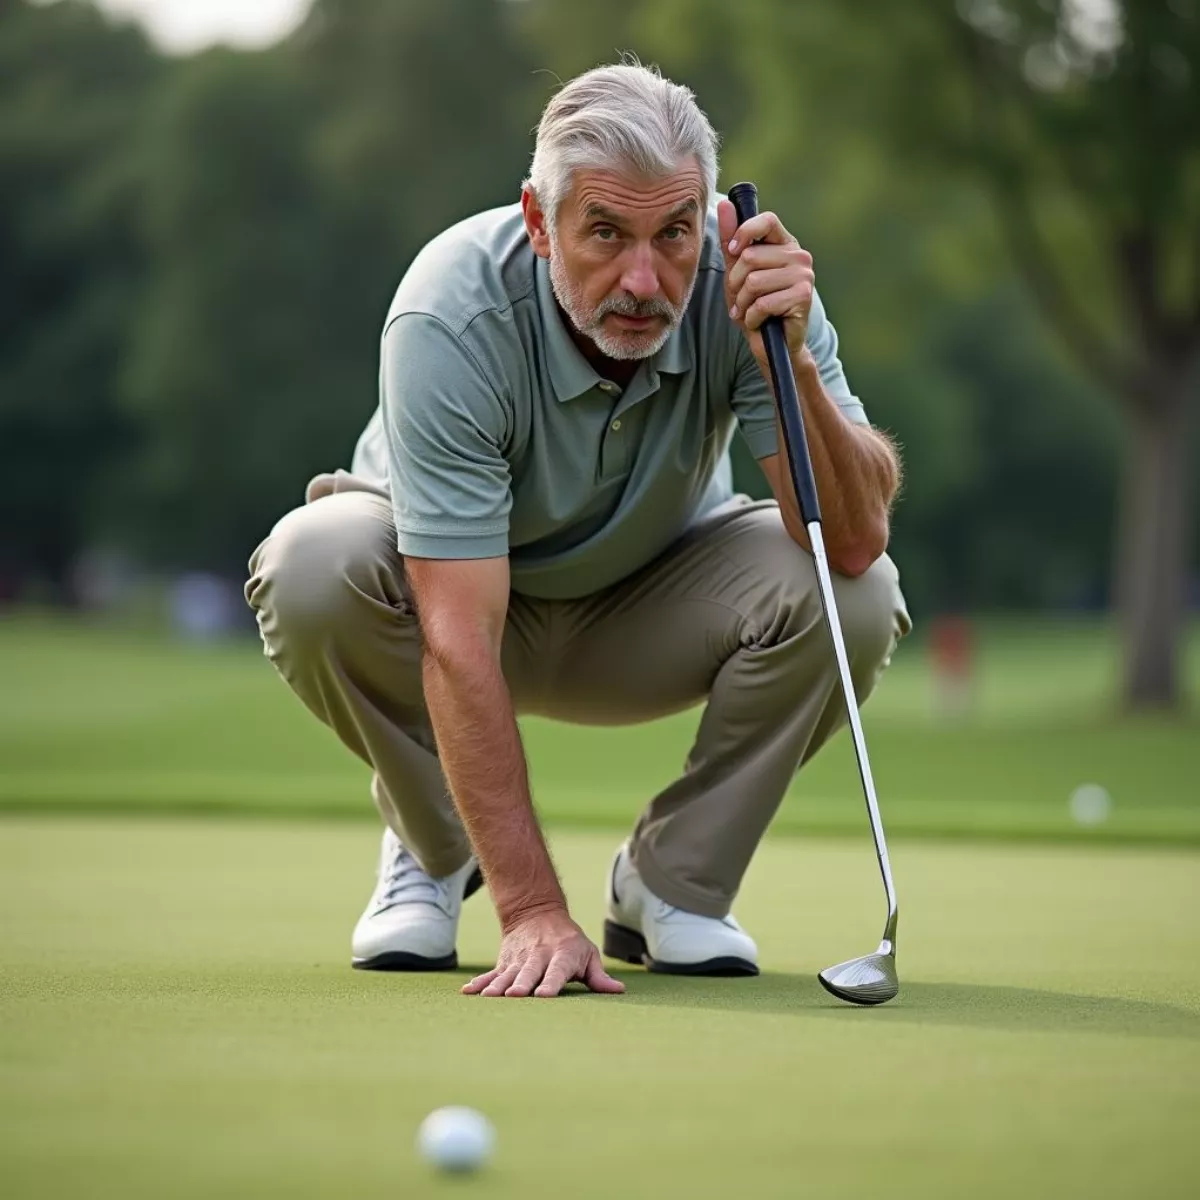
column 445, row 429
column 752, row 402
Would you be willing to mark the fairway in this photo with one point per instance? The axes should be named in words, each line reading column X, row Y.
column 177, row 1017
column 99, row 720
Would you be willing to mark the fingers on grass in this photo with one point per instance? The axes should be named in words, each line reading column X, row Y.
column 529, row 976
column 558, row 973
column 477, row 984
column 501, row 983
column 598, row 979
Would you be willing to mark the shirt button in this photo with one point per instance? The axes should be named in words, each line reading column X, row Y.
column 609, row 387
column 616, row 425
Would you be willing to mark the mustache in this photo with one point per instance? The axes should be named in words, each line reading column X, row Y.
column 627, row 306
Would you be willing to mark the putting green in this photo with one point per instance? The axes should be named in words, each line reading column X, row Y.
column 177, row 1018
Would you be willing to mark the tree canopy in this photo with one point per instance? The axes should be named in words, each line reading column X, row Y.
column 1002, row 201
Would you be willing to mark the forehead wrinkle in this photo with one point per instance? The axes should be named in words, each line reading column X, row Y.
column 627, row 193
column 688, row 208
column 598, row 212
column 595, row 210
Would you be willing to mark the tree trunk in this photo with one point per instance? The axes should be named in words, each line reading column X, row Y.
column 1152, row 547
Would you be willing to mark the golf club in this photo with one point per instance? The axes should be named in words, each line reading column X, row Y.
column 872, row 978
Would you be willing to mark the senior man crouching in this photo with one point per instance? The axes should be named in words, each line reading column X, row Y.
column 539, row 518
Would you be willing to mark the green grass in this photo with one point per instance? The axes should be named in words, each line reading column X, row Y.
column 178, row 1018
column 104, row 720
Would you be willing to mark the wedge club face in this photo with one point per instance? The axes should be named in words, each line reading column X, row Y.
column 868, row 980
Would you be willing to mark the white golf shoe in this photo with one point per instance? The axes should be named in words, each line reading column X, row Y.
column 643, row 929
column 411, row 921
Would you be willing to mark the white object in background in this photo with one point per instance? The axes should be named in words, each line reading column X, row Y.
column 204, row 606
column 1090, row 804
column 456, row 1138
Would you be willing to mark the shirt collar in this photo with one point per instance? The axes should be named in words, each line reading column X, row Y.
column 675, row 357
column 570, row 373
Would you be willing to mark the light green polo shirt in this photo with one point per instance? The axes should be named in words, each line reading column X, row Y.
column 494, row 435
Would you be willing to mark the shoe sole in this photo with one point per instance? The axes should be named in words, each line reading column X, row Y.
column 627, row 945
column 398, row 960
column 401, row 960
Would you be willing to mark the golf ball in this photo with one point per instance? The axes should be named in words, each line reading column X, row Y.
column 456, row 1139
column 1090, row 804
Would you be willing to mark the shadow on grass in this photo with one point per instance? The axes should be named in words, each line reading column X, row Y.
column 974, row 1005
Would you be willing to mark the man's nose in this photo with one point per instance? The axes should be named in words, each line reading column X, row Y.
column 639, row 278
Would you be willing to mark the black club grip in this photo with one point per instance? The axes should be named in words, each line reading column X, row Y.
column 744, row 197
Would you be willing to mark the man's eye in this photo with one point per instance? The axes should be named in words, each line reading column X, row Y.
column 674, row 233
column 605, row 233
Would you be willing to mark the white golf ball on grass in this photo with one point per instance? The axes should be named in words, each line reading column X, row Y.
column 456, row 1139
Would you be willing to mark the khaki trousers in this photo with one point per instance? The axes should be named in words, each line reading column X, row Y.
column 730, row 615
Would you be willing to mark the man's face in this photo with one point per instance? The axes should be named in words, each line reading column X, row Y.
column 624, row 256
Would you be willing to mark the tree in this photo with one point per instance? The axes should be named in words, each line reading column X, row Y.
column 231, row 374
column 73, row 89
column 1083, row 121
column 284, row 193
column 1112, row 110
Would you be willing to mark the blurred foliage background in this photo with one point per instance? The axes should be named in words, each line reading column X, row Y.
column 1002, row 198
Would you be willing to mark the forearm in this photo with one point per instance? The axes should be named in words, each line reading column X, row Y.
column 481, row 754
column 856, row 471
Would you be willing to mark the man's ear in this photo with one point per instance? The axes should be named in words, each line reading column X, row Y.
column 535, row 223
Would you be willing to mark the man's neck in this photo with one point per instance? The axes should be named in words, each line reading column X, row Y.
column 619, row 370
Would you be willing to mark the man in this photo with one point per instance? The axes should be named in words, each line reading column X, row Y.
column 539, row 518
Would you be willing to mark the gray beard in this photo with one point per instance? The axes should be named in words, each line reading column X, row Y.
column 590, row 322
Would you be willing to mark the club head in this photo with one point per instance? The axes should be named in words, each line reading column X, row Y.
column 871, row 979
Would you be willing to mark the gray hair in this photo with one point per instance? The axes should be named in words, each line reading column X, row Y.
column 617, row 117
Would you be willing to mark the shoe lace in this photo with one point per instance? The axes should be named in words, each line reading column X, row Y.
column 401, row 878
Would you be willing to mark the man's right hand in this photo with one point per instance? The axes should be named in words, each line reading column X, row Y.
column 462, row 606
column 539, row 955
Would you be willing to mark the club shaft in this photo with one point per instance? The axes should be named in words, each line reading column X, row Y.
column 804, row 484
column 744, row 197
column 829, row 605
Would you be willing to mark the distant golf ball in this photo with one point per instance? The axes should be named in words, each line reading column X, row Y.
column 456, row 1139
column 1090, row 804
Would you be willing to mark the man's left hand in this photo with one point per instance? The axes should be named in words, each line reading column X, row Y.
column 767, row 274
